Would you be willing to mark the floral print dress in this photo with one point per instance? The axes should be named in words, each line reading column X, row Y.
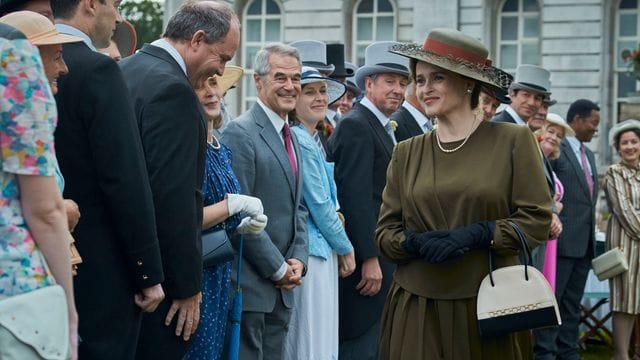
column 27, row 124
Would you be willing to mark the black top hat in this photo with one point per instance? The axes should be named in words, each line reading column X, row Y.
column 335, row 56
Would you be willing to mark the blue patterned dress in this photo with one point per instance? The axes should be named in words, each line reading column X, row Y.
column 219, row 180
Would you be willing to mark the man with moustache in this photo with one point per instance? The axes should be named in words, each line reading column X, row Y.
column 361, row 146
column 268, row 165
column 100, row 154
column 410, row 117
column 200, row 38
column 576, row 169
column 527, row 91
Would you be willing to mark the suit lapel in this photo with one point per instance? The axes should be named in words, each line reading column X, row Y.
column 377, row 128
column 274, row 143
column 576, row 165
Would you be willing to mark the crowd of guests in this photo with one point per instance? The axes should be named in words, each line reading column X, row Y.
column 364, row 201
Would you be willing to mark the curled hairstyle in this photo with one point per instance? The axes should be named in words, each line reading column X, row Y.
column 616, row 139
column 475, row 91
column 65, row 9
column 582, row 108
column 261, row 61
column 192, row 16
column 540, row 133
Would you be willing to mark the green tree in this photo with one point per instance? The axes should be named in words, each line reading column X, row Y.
column 146, row 17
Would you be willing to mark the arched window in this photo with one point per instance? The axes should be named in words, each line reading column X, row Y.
column 373, row 20
column 518, row 34
column 262, row 23
column 627, row 37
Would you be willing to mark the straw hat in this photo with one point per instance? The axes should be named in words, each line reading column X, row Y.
column 335, row 89
column 622, row 127
column 229, row 78
column 454, row 51
column 378, row 60
column 125, row 38
column 556, row 119
column 37, row 28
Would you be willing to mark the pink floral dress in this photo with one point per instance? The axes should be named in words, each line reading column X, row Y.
column 27, row 122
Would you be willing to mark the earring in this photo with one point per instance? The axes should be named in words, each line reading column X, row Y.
column 469, row 91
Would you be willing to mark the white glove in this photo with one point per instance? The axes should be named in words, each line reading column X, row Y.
column 249, row 205
column 254, row 225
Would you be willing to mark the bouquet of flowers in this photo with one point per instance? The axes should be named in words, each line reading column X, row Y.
column 632, row 57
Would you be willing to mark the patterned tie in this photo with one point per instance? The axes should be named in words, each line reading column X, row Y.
column 585, row 168
column 316, row 138
column 389, row 130
column 286, row 132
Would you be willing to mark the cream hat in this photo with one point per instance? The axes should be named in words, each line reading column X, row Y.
column 230, row 76
column 37, row 28
column 556, row 119
column 621, row 127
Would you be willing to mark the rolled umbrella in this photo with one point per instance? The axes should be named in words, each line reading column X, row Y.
column 235, row 316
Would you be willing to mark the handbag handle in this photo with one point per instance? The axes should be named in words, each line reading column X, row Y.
column 525, row 247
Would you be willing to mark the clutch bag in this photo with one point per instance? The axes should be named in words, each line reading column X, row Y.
column 609, row 264
column 515, row 298
column 216, row 248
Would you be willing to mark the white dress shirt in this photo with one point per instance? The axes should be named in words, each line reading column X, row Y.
column 70, row 30
column 515, row 116
column 165, row 45
column 423, row 122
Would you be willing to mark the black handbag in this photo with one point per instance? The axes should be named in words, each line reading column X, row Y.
column 515, row 298
column 216, row 248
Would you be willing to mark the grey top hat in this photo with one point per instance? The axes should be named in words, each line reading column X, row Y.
column 532, row 78
column 378, row 60
column 314, row 53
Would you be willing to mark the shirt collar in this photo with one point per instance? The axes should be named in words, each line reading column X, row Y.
column 515, row 116
column 422, row 120
column 276, row 120
column 575, row 143
column 369, row 105
column 70, row 30
column 166, row 46
column 330, row 115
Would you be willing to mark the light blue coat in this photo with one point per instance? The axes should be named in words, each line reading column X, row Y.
column 325, row 230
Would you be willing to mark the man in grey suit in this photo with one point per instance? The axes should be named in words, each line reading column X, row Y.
column 576, row 169
column 267, row 164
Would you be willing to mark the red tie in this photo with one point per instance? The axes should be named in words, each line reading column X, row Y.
column 287, row 145
column 585, row 168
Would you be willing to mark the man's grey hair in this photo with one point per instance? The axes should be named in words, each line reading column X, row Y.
column 261, row 62
column 213, row 17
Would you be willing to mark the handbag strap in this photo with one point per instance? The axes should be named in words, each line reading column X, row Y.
column 239, row 267
column 525, row 247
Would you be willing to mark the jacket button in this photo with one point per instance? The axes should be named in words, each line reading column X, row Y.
column 145, row 277
column 139, row 262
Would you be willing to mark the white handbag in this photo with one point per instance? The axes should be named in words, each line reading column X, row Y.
column 515, row 298
column 609, row 264
column 35, row 325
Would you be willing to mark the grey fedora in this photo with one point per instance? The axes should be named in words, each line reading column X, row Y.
column 532, row 78
column 378, row 60
column 314, row 53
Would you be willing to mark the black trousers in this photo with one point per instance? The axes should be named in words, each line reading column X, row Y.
column 158, row 341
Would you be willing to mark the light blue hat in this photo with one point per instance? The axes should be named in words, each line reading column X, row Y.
column 335, row 89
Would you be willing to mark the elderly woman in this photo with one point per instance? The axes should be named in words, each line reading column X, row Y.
column 622, row 189
column 445, row 206
column 313, row 329
column 550, row 135
column 40, row 31
column 34, row 240
column 222, row 210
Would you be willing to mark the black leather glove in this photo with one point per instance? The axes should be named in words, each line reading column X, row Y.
column 418, row 243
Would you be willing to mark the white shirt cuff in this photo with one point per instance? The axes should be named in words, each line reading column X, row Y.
column 278, row 275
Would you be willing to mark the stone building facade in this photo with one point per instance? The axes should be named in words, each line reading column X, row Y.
column 579, row 41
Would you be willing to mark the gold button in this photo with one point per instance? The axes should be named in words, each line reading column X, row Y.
column 139, row 262
column 145, row 277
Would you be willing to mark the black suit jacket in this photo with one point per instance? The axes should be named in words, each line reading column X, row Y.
column 503, row 116
column 100, row 155
column 578, row 215
column 173, row 132
column 361, row 149
column 407, row 125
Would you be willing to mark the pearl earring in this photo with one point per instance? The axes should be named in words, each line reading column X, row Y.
column 469, row 91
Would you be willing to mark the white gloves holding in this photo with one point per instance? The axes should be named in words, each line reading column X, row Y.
column 249, row 205
column 252, row 225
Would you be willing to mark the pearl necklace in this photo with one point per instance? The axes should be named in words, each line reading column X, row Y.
column 217, row 143
column 448, row 151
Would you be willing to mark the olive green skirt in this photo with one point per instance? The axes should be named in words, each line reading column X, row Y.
column 414, row 327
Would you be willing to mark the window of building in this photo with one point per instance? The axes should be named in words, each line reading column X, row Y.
column 627, row 37
column 518, row 34
column 261, row 23
column 373, row 20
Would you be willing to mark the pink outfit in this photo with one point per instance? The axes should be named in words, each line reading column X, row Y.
column 550, row 254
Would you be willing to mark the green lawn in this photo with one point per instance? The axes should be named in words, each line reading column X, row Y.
column 596, row 352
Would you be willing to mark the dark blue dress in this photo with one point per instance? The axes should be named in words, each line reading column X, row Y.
column 219, row 180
